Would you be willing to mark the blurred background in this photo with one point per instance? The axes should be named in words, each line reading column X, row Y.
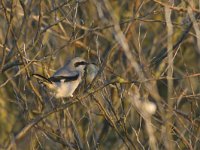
column 144, row 96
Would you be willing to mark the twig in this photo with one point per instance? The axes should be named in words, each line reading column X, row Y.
column 9, row 20
column 170, row 84
column 180, row 9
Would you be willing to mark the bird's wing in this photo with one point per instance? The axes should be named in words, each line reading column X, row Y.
column 59, row 78
column 64, row 74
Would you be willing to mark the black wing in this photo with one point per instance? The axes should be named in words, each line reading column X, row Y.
column 40, row 77
column 65, row 78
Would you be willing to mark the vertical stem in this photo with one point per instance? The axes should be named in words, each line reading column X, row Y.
column 167, row 129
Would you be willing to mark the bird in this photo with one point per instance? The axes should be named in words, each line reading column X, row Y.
column 91, row 72
column 66, row 79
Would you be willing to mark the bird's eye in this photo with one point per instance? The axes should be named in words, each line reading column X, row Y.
column 80, row 63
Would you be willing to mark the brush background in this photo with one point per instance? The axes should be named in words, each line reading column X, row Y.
column 122, row 38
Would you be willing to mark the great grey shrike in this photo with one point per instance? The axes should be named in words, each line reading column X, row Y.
column 66, row 79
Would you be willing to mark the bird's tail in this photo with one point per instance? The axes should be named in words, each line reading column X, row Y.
column 42, row 78
column 45, row 81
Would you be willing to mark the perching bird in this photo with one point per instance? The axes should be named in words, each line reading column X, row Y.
column 66, row 79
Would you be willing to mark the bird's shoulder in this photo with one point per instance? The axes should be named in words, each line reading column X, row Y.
column 65, row 71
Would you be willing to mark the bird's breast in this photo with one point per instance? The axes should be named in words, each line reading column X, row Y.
column 66, row 89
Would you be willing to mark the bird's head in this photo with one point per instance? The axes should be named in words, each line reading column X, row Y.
column 79, row 64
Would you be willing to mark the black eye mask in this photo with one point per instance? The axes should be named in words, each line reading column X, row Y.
column 80, row 63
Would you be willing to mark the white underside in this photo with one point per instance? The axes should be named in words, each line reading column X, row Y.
column 65, row 89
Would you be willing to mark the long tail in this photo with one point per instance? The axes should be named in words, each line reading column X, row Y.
column 42, row 78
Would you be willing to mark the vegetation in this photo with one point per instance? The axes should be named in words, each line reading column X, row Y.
column 144, row 96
